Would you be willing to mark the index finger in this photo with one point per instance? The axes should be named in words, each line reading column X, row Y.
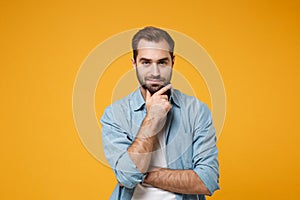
column 164, row 89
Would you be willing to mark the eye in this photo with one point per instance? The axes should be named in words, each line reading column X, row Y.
column 146, row 63
column 163, row 63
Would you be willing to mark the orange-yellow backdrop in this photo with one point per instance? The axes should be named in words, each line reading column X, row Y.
column 255, row 45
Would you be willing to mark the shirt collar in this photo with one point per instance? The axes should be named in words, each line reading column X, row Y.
column 174, row 98
column 139, row 102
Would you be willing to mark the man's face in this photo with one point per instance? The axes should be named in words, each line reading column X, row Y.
column 153, row 65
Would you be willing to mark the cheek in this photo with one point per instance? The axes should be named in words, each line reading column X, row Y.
column 141, row 71
column 166, row 71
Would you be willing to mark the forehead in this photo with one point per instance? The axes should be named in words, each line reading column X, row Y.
column 161, row 45
column 152, row 49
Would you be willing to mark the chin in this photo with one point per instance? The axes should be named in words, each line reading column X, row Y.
column 152, row 89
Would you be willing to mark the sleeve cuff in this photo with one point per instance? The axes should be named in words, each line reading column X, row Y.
column 209, row 179
column 127, row 173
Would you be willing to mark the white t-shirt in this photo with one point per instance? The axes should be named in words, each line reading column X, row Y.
column 147, row 192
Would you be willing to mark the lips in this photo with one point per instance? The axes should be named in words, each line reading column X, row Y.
column 154, row 81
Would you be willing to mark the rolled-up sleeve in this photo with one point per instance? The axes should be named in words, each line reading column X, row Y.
column 205, row 152
column 115, row 143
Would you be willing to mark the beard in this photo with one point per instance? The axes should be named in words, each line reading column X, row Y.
column 152, row 88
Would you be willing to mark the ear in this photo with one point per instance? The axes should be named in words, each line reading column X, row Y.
column 133, row 63
column 173, row 61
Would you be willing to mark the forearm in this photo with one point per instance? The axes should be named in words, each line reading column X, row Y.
column 157, row 107
column 141, row 149
column 178, row 181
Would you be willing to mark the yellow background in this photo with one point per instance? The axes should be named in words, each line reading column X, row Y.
column 255, row 45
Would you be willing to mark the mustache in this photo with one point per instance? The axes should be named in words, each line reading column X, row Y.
column 156, row 78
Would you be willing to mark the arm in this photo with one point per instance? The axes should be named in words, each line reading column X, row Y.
column 157, row 107
column 203, row 177
column 119, row 147
column 141, row 148
column 178, row 181
column 115, row 140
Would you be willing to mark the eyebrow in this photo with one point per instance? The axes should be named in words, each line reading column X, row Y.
column 144, row 59
column 164, row 59
column 148, row 59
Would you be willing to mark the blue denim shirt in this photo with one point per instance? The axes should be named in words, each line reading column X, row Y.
column 190, row 141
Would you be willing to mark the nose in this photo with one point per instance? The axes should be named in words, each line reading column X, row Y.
column 155, row 70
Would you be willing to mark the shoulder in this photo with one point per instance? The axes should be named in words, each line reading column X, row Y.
column 192, row 108
column 188, row 102
column 119, row 107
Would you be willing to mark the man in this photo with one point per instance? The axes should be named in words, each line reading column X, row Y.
column 160, row 142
